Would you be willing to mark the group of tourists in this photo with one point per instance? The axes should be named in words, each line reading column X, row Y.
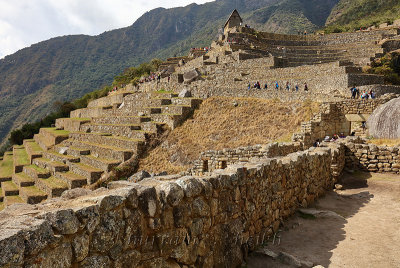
column 335, row 137
column 356, row 94
column 276, row 86
column 201, row 48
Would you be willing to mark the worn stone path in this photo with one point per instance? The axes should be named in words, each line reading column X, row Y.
column 363, row 231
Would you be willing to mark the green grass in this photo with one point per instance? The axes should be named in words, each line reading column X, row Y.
column 57, row 132
column 54, row 182
column 163, row 91
column 21, row 156
column 38, row 169
column 34, row 146
column 33, row 190
column 6, row 166
column 14, row 199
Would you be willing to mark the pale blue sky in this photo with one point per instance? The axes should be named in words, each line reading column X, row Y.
column 25, row 22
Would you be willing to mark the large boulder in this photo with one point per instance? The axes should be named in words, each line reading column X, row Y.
column 384, row 123
column 190, row 76
column 185, row 93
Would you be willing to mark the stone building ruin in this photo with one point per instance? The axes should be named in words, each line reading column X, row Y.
column 230, row 201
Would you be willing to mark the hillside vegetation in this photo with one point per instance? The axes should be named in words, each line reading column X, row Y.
column 350, row 15
column 65, row 68
column 218, row 124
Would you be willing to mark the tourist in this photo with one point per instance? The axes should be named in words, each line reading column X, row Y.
column 372, row 94
column 297, row 87
column 353, row 91
column 276, row 85
column 364, row 126
column 342, row 136
column 316, row 143
column 249, row 86
column 287, row 86
column 327, row 139
column 258, row 85
column 266, row 85
column 169, row 78
column 305, row 86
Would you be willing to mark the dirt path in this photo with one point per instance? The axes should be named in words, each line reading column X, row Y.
column 363, row 231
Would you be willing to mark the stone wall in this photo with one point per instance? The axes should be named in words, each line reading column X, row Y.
column 197, row 221
column 338, row 117
column 212, row 160
column 372, row 158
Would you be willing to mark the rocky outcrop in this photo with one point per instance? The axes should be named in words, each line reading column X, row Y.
column 385, row 121
column 191, row 76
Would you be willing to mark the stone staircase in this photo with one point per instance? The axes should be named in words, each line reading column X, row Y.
column 92, row 141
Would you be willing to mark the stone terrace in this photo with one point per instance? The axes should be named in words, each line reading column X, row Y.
column 329, row 64
column 93, row 141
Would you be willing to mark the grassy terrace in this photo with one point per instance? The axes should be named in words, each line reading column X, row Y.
column 34, row 146
column 21, row 156
column 6, row 166
column 39, row 169
column 57, row 132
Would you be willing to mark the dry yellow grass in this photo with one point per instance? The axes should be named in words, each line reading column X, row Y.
column 219, row 124
column 387, row 142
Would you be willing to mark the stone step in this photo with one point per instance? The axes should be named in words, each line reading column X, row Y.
column 132, row 102
column 23, row 180
column 163, row 94
column 11, row 200
column 115, row 141
column 118, row 130
column 6, row 167
column 92, row 174
column 71, row 124
column 141, row 135
column 104, row 151
column 62, row 158
column 192, row 102
column 110, row 100
column 176, row 109
column 77, row 152
column 53, row 135
column 32, row 195
column 43, row 142
column 20, row 158
column 133, row 120
column 153, row 127
column 52, row 186
column 9, row 188
column 131, row 111
column 99, row 163
column 172, row 120
column 33, row 149
column 50, row 165
column 36, row 172
column 71, row 179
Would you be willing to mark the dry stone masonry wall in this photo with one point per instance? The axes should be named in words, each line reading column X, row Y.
column 212, row 160
column 372, row 158
column 338, row 117
column 202, row 221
